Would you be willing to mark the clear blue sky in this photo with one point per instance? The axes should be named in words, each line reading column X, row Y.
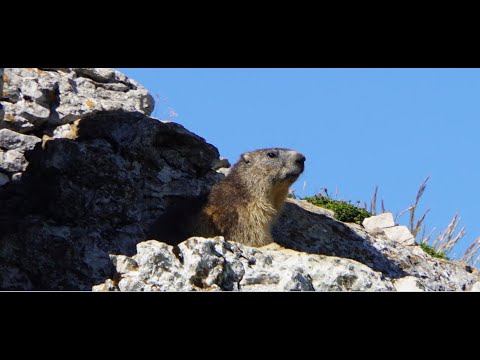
column 358, row 128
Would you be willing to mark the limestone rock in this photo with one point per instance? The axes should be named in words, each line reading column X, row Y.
column 301, row 227
column 408, row 284
column 215, row 264
column 378, row 222
column 12, row 150
column 400, row 234
column 108, row 285
column 476, row 287
column 47, row 98
column 384, row 224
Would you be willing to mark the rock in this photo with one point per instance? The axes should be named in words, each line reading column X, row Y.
column 12, row 150
column 222, row 166
column 12, row 160
column 81, row 200
column 306, row 228
column 48, row 103
column 409, row 284
column 378, row 222
column 400, row 234
column 11, row 140
column 215, row 264
column 108, row 285
column 41, row 100
column 123, row 263
column 476, row 287
column 4, row 179
column 384, row 224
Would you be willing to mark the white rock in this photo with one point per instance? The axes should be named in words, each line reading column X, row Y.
column 215, row 264
column 408, row 284
column 476, row 287
column 108, row 285
column 381, row 221
column 400, row 234
column 123, row 263
column 12, row 161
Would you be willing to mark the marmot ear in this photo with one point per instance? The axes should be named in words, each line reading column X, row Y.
column 246, row 158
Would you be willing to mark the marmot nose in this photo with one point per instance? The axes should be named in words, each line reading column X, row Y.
column 299, row 159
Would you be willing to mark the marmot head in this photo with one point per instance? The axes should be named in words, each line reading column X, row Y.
column 278, row 165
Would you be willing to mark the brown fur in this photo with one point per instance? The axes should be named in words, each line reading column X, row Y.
column 243, row 206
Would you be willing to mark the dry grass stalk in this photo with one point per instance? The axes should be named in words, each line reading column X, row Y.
column 471, row 251
column 446, row 240
column 414, row 228
column 373, row 202
column 426, row 239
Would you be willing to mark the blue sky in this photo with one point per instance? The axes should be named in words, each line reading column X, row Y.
column 358, row 128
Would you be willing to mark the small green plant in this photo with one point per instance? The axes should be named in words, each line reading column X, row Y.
column 430, row 250
column 344, row 211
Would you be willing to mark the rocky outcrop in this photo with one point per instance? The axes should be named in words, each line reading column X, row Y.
column 47, row 103
column 215, row 264
column 81, row 188
column 45, row 98
column 304, row 227
column 317, row 253
column 81, row 199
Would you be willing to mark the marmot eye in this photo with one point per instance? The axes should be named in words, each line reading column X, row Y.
column 271, row 155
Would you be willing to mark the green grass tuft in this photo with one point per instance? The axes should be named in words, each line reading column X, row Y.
column 343, row 211
column 430, row 250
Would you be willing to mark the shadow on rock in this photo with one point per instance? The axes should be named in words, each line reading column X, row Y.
column 313, row 232
column 81, row 199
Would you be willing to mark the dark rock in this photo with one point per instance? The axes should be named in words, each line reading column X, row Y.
column 81, row 200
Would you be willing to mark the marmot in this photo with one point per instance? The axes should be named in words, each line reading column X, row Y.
column 244, row 205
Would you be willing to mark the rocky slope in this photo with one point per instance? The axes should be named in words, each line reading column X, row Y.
column 317, row 253
column 85, row 173
column 90, row 191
